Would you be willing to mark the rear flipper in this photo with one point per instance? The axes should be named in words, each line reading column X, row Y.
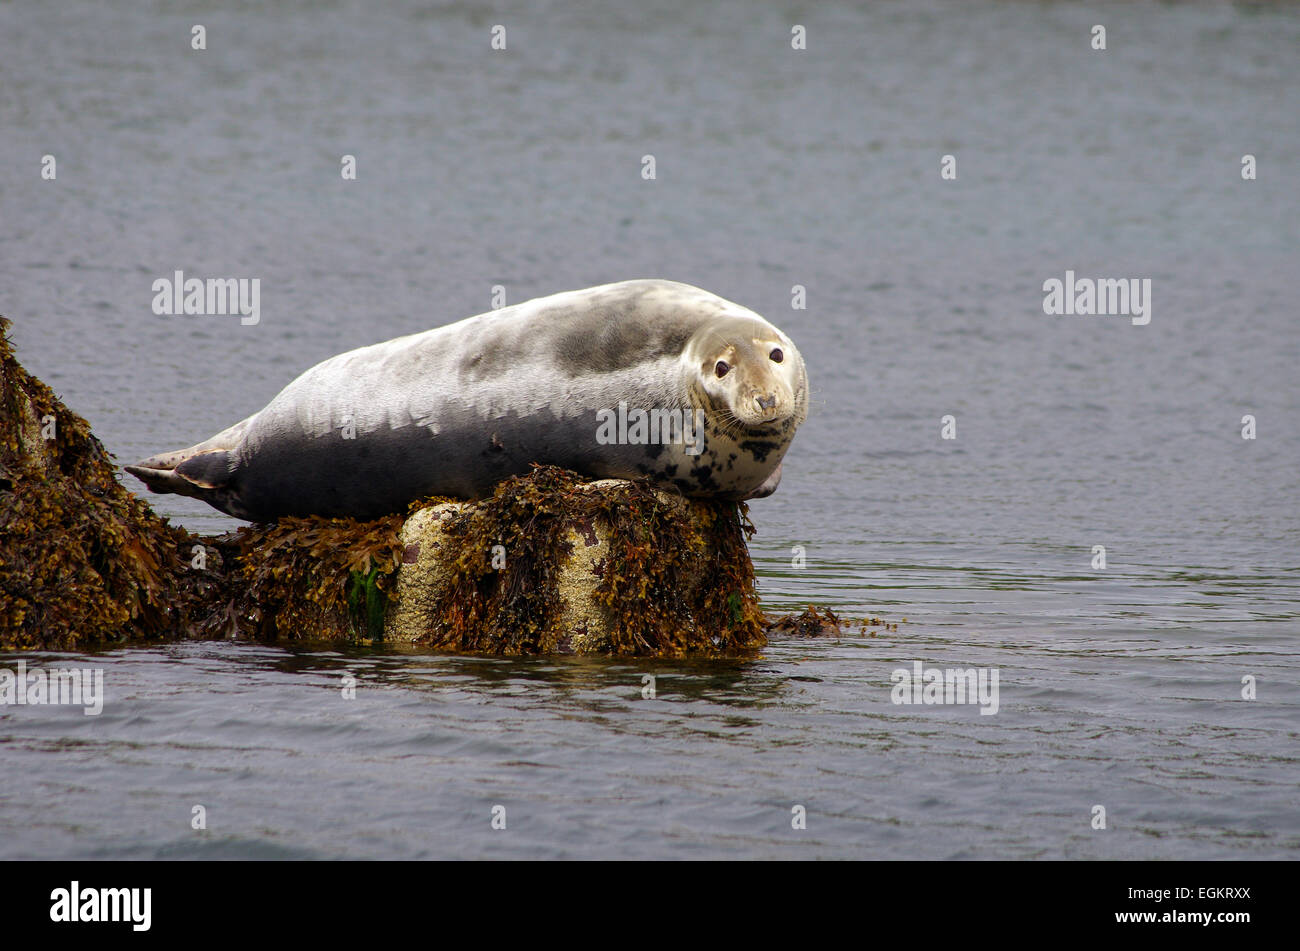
column 197, row 471
column 197, row 476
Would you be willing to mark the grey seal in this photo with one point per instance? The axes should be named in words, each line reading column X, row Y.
column 644, row 379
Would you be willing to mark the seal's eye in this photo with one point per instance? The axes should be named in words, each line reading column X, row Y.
column 721, row 369
column 776, row 355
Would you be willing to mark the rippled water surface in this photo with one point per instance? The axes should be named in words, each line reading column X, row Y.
column 1119, row 687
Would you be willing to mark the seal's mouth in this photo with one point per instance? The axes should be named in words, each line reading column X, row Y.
column 760, row 409
column 758, row 423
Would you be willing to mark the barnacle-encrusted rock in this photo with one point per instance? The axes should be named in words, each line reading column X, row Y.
column 552, row 563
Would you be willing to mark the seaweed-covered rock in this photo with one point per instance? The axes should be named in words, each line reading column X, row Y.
column 83, row 562
column 312, row 579
column 552, row 563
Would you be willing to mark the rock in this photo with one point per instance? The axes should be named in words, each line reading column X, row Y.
column 580, row 599
column 425, row 575
column 555, row 564
column 83, row 563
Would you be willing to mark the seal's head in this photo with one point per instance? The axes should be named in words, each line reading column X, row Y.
column 750, row 373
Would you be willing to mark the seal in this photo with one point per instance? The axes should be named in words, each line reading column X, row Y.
column 645, row 379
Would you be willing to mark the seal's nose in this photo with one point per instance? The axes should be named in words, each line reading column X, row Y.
column 765, row 403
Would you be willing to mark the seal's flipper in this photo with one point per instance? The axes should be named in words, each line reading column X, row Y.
column 158, row 480
column 193, row 471
column 164, row 460
column 207, row 470
column 195, row 476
